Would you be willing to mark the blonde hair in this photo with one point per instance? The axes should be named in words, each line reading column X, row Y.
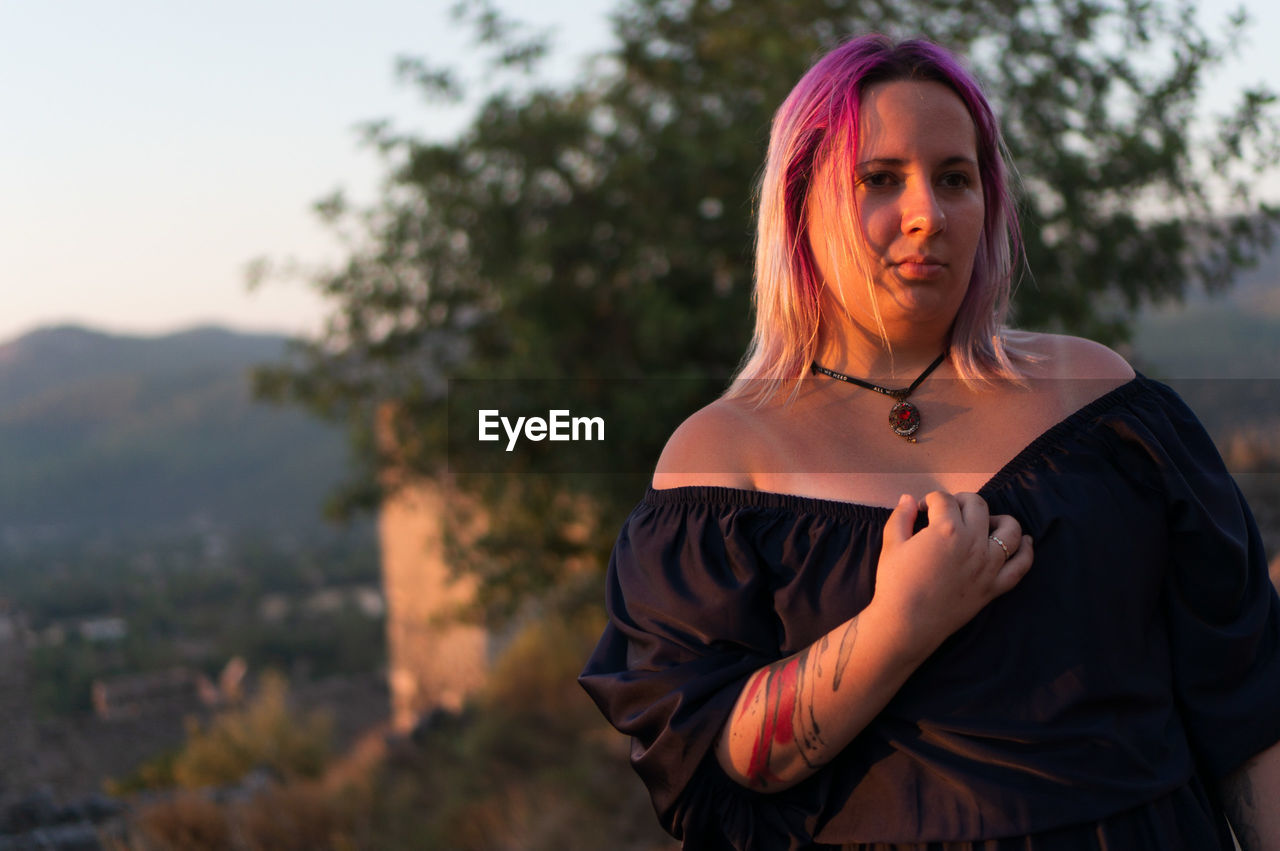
column 819, row 120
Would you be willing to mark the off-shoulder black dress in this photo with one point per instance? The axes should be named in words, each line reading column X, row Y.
column 1093, row 706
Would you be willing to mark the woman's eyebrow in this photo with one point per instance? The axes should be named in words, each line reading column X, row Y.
column 893, row 162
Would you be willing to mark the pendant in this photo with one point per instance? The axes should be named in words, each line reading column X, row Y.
column 904, row 419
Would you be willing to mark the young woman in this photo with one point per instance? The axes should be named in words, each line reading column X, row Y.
column 919, row 580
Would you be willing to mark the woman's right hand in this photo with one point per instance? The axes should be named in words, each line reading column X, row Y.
column 796, row 714
column 932, row 582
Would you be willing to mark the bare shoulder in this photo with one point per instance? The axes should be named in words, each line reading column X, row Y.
column 712, row 447
column 1063, row 356
column 1068, row 373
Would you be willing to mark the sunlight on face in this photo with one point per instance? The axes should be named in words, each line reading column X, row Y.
column 916, row 212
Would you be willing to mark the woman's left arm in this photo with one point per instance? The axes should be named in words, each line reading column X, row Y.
column 1251, row 797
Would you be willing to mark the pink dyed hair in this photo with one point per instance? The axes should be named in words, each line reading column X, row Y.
column 820, row 119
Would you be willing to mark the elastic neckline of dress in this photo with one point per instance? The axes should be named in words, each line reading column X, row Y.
column 723, row 495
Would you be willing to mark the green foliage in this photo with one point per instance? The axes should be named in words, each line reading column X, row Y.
column 601, row 232
column 186, row 603
column 62, row 677
column 343, row 642
column 155, row 773
column 263, row 734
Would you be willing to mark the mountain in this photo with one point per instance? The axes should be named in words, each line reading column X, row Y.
column 1221, row 352
column 1232, row 334
column 150, row 434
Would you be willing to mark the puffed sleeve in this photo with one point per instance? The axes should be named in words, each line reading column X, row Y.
column 1223, row 614
column 690, row 619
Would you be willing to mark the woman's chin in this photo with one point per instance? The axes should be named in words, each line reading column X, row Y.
column 921, row 305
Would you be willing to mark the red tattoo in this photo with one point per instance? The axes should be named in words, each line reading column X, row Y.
column 780, row 689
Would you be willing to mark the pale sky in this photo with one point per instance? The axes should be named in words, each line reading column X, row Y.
column 152, row 148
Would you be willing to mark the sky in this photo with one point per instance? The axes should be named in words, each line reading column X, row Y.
column 151, row 150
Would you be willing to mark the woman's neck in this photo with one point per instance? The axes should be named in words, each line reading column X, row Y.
column 863, row 354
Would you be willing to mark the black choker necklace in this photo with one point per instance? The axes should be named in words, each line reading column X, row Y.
column 904, row 417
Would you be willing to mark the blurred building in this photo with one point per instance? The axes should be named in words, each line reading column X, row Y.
column 171, row 693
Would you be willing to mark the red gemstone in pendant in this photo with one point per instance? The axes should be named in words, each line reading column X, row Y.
column 904, row 419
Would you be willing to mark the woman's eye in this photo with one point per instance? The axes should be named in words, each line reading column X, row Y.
column 878, row 179
column 956, row 180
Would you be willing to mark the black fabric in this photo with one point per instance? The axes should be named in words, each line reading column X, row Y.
column 1072, row 712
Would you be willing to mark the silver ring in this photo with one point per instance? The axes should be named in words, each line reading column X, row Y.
column 1002, row 546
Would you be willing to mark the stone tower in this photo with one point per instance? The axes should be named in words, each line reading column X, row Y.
column 435, row 661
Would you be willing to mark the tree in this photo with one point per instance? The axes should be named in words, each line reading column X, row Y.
column 601, row 232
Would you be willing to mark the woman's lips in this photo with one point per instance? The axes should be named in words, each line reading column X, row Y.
column 920, row 268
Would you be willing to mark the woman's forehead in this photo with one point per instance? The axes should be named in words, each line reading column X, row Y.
column 913, row 119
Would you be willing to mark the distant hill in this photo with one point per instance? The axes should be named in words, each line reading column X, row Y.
column 149, row 434
column 1222, row 353
column 1233, row 334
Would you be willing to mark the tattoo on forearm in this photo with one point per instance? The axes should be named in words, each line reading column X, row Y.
column 808, row 733
column 846, row 651
column 784, row 695
column 778, row 683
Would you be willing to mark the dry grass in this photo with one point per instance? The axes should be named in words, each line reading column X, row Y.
column 187, row 822
column 296, row 817
column 531, row 767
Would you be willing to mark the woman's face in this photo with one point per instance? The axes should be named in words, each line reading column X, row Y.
column 918, row 194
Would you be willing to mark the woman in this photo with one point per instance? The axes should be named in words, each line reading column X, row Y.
column 1030, row 611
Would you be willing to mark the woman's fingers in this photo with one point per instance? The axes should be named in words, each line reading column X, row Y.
column 944, row 513
column 990, row 544
column 1013, row 549
column 973, row 511
column 939, row 577
column 901, row 523
column 1005, row 535
column 1016, row 567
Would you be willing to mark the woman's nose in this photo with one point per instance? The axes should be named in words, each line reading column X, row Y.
column 921, row 212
